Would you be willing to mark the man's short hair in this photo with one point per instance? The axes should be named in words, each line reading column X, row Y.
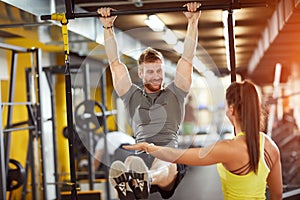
column 150, row 55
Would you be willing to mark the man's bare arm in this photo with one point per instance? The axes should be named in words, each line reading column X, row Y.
column 120, row 74
column 184, row 70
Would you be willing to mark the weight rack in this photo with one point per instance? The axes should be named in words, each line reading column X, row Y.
column 34, row 121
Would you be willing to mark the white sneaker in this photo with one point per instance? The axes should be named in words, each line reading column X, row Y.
column 141, row 180
column 118, row 178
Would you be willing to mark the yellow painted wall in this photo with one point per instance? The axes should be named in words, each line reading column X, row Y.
column 61, row 123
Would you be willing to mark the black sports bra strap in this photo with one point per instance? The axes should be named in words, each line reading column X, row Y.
column 242, row 169
column 268, row 159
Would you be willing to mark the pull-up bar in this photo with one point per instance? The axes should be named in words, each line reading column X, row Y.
column 163, row 10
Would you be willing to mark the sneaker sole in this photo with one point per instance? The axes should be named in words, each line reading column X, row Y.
column 118, row 178
column 139, row 172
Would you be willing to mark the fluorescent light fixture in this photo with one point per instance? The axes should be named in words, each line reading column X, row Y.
column 169, row 37
column 154, row 23
column 134, row 53
column 224, row 18
column 226, row 41
column 179, row 47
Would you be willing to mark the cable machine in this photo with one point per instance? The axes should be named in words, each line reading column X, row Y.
column 94, row 119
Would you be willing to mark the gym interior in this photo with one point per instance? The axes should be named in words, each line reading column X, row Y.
column 57, row 97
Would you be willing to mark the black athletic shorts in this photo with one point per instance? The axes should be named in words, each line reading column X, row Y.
column 181, row 169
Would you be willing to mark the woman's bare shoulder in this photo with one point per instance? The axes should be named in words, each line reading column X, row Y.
column 230, row 147
column 271, row 147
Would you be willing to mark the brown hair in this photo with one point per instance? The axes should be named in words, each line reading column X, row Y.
column 149, row 55
column 243, row 96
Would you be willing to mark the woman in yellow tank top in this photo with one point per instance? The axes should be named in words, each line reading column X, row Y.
column 248, row 163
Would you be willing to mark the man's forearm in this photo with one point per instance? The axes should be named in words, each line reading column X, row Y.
column 111, row 47
column 190, row 41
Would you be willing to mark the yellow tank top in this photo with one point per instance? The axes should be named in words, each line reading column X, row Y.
column 249, row 186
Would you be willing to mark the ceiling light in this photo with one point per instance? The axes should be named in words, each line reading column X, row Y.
column 154, row 23
column 226, row 43
column 169, row 37
column 224, row 18
column 179, row 47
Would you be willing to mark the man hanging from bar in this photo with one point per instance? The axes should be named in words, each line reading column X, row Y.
column 155, row 111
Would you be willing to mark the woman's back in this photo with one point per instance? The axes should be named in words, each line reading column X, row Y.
column 238, row 180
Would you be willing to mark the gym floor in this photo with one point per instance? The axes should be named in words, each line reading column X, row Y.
column 198, row 183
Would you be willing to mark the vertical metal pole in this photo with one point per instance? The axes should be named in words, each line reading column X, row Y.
column 51, row 87
column 2, row 157
column 10, row 108
column 276, row 93
column 30, row 154
column 40, row 120
column 29, row 163
column 231, row 46
column 69, row 9
column 87, row 95
column 70, row 130
column 105, row 130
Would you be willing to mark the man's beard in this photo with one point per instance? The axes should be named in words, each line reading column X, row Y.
column 151, row 88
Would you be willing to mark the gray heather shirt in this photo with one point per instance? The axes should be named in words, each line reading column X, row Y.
column 155, row 118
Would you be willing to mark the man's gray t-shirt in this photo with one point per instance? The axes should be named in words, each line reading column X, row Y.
column 155, row 118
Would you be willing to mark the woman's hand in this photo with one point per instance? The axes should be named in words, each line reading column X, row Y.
column 143, row 146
